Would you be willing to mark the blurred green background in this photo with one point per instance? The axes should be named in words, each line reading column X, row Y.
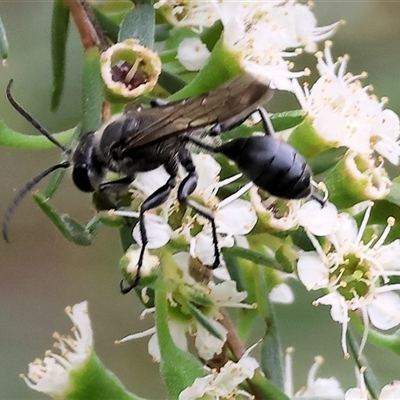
column 41, row 273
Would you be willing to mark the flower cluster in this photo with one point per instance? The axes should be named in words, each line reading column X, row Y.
column 341, row 113
column 192, row 231
column 344, row 114
column 288, row 25
column 320, row 241
column 221, row 295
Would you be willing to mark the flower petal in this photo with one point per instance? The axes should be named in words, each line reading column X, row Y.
column 158, row 231
column 312, row 272
column 384, row 310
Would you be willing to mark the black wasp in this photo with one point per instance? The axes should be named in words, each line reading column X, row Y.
column 144, row 138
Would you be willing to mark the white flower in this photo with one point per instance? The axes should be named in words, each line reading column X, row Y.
column 129, row 262
column 158, row 231
column 284, row 215
column 52, row 374
column 220, row 295
column 192, row 54
column 390, row 391
column 344, row 114
column 281, row 293
column 322, row 388
column 224, row 383
column 194, row 14
column 288, row 25
column 355, row 274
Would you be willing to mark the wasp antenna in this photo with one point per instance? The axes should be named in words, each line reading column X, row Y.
column 32, row 120
column 21, row 194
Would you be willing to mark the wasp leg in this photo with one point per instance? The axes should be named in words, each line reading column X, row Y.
column 154, row 200
column 233, row 123
column 266, row 121
column 187, row 187
column 115, row 186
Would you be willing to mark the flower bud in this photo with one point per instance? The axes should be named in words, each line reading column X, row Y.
column 129, row 70
column 356, row 178
column 129, row 265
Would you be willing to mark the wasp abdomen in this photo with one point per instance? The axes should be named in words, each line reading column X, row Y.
column 271, row 164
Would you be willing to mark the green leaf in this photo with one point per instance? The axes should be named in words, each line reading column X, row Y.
column 70, row 229
column 380, row 213
column 286, row 120
column 92, row 380
column 139, row 23
column 109, row 27
column 161, row 32
column 271, row 350
column 170, row 82
column 210, row 36
column 58, row 176
column 201, row 319
column 325, row 160
column 178, row 368
column 14, row 139
column 92, row 91
column 125, row 234
column 4, row 48
column 267, row 389
column 394, row 194
column 254, row 256
column 114, row 11
column 59, row 36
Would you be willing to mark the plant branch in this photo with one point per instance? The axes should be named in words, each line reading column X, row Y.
column 89, row 31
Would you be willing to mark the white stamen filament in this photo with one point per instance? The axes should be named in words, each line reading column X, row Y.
column 138, row 335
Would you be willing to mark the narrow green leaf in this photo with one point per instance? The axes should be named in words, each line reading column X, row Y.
column 70, row 229
column 266, row 389
column 381, row 211
column 170, row 82
column 55, row 181
column 139, row 23
column 92, row 91
column 394, row 194
column 14, row 139
column 271, row 351
column 162, row 32
column 201, row 319
column 370, row 379
column 108, row 26
column 178, row 368
column 210, row 36
column 58, row 176
column 4, row 48
column 255, row 257
column 59, row 36
column 286, row 120
column 113, row 10
column 325, row 160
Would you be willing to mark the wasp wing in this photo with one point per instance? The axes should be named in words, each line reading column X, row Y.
column 233, row 100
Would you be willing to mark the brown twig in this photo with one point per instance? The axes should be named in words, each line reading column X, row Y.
column 236, row 346
column 233, row 340
column 86, row 23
